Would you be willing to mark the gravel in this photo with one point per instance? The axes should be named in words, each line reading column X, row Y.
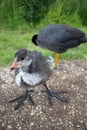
column 70, row 77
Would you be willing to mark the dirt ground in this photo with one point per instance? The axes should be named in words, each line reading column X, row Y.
column 70, row 77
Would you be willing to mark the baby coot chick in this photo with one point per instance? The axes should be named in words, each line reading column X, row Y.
column 31, row 69
column 59, row 38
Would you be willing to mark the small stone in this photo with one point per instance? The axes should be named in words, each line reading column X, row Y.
column 31, row 124
column 3, row 124
column 9, row 126
column 19, row 128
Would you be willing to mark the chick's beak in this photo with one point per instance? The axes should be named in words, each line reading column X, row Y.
column 14, row 64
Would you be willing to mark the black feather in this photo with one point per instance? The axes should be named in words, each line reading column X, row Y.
column 59, row 37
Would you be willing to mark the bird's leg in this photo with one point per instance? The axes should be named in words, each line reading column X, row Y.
column 56, row 59
column 54, row 94
column 29, row 98
column 20, row 102
column 22, row 98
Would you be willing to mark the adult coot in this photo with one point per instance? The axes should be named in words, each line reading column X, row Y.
column 59, row 38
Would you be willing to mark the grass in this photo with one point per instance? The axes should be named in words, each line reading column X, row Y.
column 11, row 41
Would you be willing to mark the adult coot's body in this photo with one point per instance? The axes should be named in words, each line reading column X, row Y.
column 59, row 38
column 31, row 69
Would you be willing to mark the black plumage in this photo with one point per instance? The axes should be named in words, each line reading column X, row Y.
column 59, row 37
column 38, row 61
column 31, row 69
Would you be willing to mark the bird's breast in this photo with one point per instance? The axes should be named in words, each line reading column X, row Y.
column 31, row 79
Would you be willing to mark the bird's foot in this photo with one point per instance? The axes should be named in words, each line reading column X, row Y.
column 22, row 98
column 51, row 94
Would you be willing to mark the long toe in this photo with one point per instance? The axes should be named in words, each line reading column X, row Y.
column 61, row 99
column 55, row 94
column 20, row 102
column 50, row 99
column 15, row 99
column 18, row 105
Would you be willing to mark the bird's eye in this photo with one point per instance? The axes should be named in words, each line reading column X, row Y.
column 22, row 58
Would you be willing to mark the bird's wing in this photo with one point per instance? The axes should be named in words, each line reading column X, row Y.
column 74, row 33
column 58, row 33
column 39, row 64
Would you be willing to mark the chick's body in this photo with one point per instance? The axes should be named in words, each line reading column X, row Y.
column 33, row 70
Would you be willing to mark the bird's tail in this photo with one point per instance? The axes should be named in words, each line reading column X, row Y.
column 83, row 40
